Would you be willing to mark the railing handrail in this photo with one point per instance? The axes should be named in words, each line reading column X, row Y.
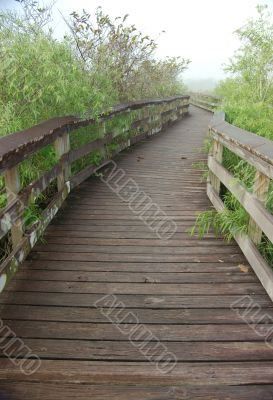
column 208, row 101
column 18, row 146
column 205, row 94
column 258, row 152
column 258, row 146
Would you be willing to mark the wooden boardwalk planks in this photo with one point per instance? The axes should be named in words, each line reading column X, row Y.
column 181, row 290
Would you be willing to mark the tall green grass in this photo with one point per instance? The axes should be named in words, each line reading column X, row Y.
column 42, row 77
column 248, row 103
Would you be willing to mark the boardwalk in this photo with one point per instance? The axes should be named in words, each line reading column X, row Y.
column 181, row 290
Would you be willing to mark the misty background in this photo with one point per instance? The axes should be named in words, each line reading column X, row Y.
column 202, row 31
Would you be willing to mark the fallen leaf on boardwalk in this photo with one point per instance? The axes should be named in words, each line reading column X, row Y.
column 150, row 280
column 183, row 158
column 243, row 268
column 221, row 260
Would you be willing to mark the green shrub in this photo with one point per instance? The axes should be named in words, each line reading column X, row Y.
column 101, row 62
column 248, row 103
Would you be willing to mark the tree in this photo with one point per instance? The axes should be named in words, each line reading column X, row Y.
column 125, row 54
column 252, row 64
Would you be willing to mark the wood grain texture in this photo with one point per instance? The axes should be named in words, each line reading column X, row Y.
column 55, row 391
column 190, row 294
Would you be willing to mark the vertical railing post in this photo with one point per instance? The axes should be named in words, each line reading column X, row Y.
column 151, row 120
column 217, row 154
column 164, row 118
column 146, row 114
column 187, row 103
column 62, row 146
column 182, row 107
column 170, row 113
column 173, row 115
column 13, row 186
column 173, row 109
column 158, row 118
column 177, row 112
column 260, row 190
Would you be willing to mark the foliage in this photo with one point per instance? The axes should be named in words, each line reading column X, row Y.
column 125, row 55
column 248, row 93
column 101, row 62
column 247, row 100
column 252, row 63
column 37, row 75
column 98, row 64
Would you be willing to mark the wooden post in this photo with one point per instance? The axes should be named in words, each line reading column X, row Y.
column 187, row 103
column 13, row 186
column 260, row 189
column 146, row 114
column 102, row 130
column 172, row 112
column 156, row 119
column 163, row 117
column 182, row 106
column 175, row 110
column 217, row 153
column 160, row 111
column 62, row 146
column 158, row 116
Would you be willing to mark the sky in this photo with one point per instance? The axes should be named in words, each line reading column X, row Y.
column 201, row 30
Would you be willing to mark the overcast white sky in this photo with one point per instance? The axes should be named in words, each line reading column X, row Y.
column 201, row 30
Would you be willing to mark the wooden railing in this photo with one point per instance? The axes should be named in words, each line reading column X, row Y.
column 148, row 118
column 205, row 100
column 258, row 152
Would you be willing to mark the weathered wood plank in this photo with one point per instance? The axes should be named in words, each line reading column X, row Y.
column 155, row 258
column 22, row 144
column 13, row 186
column 109, row 331
column 159, row 267
column 255, row 149
column 194, row 296
column 217, row 154
column 135, row 301
column 97, row 372
column 129, row 249
column 130, row 277
column 252, row 205
column 62, row 146
column 150, row 315
column 262, row 269
column 260, row 190
column 151, row 288
column 55, row 391
column 96, row 350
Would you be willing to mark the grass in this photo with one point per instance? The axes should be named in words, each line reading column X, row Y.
column 234, row 219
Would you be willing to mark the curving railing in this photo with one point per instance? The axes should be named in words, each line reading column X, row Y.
column 146, row 118
column 258, row 152
column 206, row 101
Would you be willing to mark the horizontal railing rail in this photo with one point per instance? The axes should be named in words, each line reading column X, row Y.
column 147, row 118
column 258, row 152
column 205, row 100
